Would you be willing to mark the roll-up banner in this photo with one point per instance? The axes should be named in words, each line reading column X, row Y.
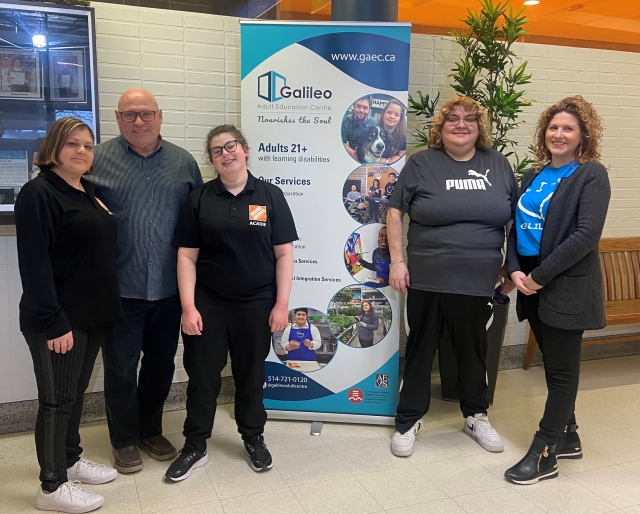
column 324, row 111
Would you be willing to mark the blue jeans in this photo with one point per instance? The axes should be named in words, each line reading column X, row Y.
column 134, row 404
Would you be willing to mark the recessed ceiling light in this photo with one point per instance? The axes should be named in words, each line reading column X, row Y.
column 531, row 2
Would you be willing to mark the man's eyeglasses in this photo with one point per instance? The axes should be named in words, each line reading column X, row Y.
column 130, row 116
column 229, row 146
column 454, row 120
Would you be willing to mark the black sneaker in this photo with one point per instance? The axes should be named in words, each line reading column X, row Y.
column 186, row 461
column 569, row 445
column 258, row 453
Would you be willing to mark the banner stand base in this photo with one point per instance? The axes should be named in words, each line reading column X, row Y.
column 317, row 418
column 316, row 427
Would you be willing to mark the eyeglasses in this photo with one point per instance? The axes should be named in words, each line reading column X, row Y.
column 131, row 116
column 454, row 120
column 229, row 146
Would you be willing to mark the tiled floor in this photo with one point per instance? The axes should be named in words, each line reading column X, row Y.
column 349, row 468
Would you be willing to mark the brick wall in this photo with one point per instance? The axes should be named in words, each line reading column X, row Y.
column 191, row 63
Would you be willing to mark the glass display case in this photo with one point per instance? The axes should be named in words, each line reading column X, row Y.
column 47, row 71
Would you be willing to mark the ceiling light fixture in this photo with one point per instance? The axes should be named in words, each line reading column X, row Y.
column 39, row 41
column 531, row 2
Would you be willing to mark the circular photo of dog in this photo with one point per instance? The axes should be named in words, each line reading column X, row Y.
column 306, row 344
column 359, row 317
column 374, row 129
column 366, row 255
column 367, row 191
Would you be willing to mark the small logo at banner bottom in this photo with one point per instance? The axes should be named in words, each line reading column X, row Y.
column 382, row 380
column 355, row 396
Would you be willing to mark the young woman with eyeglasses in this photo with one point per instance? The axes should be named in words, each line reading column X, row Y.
column 235, row 268
column 460, row 195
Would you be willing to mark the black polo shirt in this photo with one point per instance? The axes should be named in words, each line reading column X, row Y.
column 236, row 236
column 67, row 257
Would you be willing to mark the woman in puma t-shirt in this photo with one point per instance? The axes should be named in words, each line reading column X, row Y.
column 460, row 196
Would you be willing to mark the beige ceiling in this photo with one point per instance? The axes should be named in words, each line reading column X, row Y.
column 602, row 23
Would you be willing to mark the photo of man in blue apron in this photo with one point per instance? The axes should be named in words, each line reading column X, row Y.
column 301, row 339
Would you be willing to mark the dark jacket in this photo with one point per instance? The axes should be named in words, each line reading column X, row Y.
column 569, row 269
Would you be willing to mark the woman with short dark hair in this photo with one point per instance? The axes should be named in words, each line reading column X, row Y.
column 66, row 254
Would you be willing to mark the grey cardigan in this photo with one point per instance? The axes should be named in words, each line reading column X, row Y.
column 569, row 269
column 372, row 323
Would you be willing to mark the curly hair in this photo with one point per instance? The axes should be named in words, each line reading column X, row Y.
column 484, row 141
column 590, row 129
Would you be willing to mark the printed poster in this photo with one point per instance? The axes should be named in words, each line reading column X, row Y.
column 324, row 108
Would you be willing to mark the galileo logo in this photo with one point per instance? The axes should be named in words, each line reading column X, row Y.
column 273, row 87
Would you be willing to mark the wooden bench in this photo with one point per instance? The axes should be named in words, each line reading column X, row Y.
column 620, row 264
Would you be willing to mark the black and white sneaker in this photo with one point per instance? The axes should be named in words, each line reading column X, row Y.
column 569, row 445
column 187, row 460
column 258, row 453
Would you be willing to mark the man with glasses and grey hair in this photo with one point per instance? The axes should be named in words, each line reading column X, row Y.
column 143, row 180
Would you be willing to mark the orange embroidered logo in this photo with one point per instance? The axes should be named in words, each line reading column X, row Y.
column 258, row 213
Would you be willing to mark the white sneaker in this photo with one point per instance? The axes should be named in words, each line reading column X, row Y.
column 89, row 472
column 402, row 444
column 69, row 497
column 478, row 427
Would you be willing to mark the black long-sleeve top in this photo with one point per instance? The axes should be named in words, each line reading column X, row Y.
column 66, row 255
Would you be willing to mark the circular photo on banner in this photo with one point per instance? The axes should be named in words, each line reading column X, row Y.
column 306, row 344
column 366, row 255
column 366, row 193
column 374, row 129
column 359, row 316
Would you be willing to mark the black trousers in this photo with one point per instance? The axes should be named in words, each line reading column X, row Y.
column 466, row 318
column 561, row 350
column 62, row 379
column 134, row 403
column 244, row 333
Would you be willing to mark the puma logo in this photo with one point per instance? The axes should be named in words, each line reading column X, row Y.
column 479, row 175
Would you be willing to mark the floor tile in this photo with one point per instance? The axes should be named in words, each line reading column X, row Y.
column 17, row 450
column 281, row 441
column 156, row 495
column 339, row 433
column 614, row 445
column 500, row 501
column 564, row 496
column 616, row 417
column 498, row 463
column 340, row 496
column 201, row 508
column 590, row 460
column 632, row 510
column 460, row 476
column 393, row 488
column 617, row 485
column 310, row 466
column 432, row 448
column 446, row 506
column 280, row 501
column 367, row 456
column 237, row 479
column 120, row 497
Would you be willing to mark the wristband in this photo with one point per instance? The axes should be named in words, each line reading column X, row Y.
column 397, row 262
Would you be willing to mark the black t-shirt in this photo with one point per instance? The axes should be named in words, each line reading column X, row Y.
column 388, row 189
column 236, row 236
column 67, row 257
column 374, row 192
column 458, row 211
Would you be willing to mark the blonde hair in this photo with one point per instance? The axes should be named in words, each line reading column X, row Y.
column 484, row 141
column 591, row 130
column 55, row 140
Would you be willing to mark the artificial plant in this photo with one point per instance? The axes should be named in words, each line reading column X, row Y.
column 486, row 73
